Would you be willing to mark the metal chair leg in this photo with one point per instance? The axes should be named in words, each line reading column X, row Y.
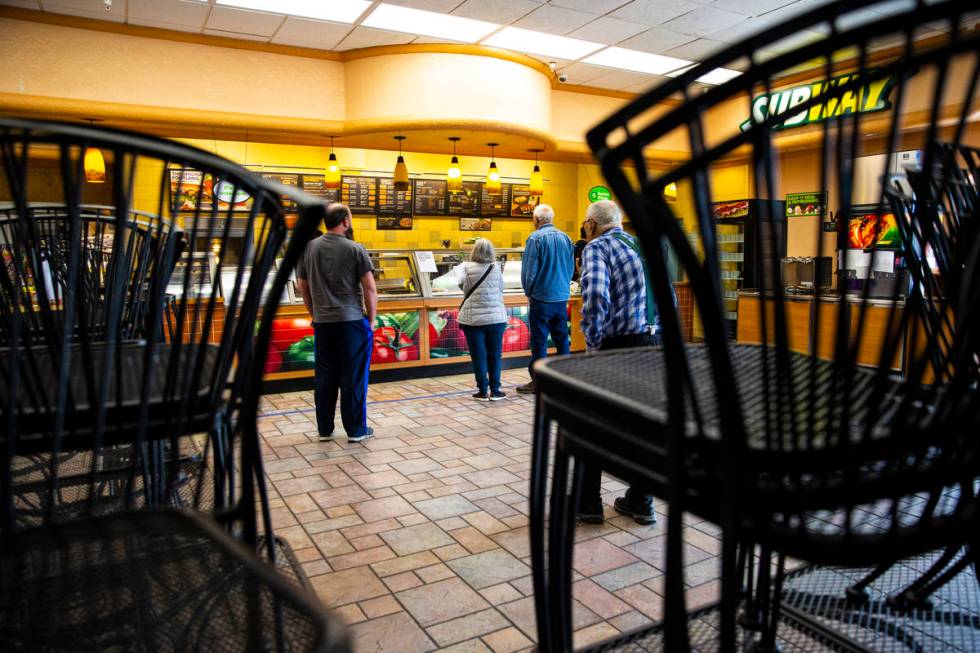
column 559, row 557
column 536, row 513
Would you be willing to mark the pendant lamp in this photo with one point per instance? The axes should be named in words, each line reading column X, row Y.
column 537, row 179
column 94, row 164
column 401, row 170
column 454, row 176
column 493, row 175
column 670, row 192
column 331, row 176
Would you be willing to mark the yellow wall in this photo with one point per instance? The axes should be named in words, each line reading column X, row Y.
column 562, row 189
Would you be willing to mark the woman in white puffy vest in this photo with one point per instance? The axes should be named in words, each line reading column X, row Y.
column 482, row 317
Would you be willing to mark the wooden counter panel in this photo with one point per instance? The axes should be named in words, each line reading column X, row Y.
column 749, row 327
column 873, row 333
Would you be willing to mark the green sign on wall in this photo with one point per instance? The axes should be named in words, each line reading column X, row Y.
column 597, row 193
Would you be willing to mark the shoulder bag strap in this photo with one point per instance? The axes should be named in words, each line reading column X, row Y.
column 476, row 285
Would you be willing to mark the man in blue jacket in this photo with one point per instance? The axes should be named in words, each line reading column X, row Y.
column 546, row 271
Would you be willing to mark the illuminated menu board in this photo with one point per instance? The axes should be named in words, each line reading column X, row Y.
column 315, row 185
column 522, row 202
column 495, row 206
column 360, row 194
column 467, row 201
column 286, row 179
column 430, row 196
column 391, row 201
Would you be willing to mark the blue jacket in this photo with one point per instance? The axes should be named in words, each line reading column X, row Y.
column 548, row 264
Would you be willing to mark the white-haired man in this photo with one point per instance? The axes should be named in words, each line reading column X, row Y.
column 546, row 271
column 614, row 316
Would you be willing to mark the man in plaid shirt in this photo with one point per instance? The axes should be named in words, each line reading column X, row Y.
column 614, row 316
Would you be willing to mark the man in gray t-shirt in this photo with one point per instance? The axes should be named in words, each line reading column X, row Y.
column 335, row 280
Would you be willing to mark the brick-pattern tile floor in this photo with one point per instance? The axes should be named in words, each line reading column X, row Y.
column 418, row 537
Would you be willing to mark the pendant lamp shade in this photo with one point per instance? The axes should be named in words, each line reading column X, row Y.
column 94, row 166
column 331, row 176
column 454, row 176
column 493, row 186
column 401, row 170
column 537, row 179
column 670, row 192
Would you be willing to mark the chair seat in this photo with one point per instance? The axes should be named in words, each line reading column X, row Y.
column 178, row 382
column 152, row 580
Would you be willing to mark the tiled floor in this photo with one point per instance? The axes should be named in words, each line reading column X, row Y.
column 418, row 537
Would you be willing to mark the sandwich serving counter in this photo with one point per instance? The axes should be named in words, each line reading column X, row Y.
column 416, row 325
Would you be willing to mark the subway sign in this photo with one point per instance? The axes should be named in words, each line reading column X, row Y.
column 869, row 97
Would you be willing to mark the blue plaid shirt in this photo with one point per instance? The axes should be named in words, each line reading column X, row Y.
column 614, row 300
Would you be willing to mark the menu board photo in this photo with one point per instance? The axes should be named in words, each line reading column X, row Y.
column 360, row 194
column 474, row 224
column 806, row 204
column 429, row 196
column 522, row 202
column 315, row 185
column 191, row 189
column 495, row 206
column 391, row 201
column 286, row 179
column 467, row 201
column 394, row 222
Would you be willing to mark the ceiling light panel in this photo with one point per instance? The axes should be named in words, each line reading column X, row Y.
column 338, row 11
column 428, row 23
column 547, row 45
column 641, row 62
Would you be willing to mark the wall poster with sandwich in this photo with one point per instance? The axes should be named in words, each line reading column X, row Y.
column 192, row 189
column 522, row 202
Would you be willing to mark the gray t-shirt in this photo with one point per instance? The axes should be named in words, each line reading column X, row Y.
column 333, row 266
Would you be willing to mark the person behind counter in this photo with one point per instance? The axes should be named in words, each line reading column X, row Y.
column 334, row 278
column 546, row 272
column 482, row 317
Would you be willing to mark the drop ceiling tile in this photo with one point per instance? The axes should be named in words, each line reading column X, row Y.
column 704, row 20
column 656, row 41
column 229, row 19
column 309, row 33
column 618, row 80
column 172, row 14
column 496, row 11
column 654, row 12
column 583, row 73
column 236, row 35
column 89, row 9
column 590, row 6
column 645, row 86
column 438, row 6
column 366, row 37
column 23, row 4
column 793, row 42
column 753, row 7
column 698, row 50
column 608, row 30
column 554, row 20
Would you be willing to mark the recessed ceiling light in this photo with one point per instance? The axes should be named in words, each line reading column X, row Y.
column 546, row 45
column 428, row 23
column 718, row 76
column 337, row 11
column 641, row 62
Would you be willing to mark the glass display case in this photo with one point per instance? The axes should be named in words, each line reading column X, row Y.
column 395, row 273
column 442, row 283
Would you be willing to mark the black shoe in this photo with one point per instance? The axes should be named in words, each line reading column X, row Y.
column 326, row 437
column 480, row 396
column 527, row 389
column 497, row 396
column 368, row 433
column 644, row 516
column 590, row 514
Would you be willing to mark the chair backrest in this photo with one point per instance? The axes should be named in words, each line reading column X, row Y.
column 105, row 366
column 835, row 409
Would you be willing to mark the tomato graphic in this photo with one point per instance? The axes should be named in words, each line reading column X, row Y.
column 289, row 330
column 391, row 345
column 517, row 336
column 451, row 337
column 273, row 360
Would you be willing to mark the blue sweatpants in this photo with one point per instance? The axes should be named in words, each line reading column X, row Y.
column 343, row 355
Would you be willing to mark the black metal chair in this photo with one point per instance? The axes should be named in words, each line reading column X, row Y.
column 807, row 454
column 134, row 508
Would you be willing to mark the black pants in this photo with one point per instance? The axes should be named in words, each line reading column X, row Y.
column 638, row 497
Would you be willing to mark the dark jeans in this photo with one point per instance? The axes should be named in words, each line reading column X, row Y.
column 637, row 496
column 485, row 343
column 343, row 354
column 546, row 318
